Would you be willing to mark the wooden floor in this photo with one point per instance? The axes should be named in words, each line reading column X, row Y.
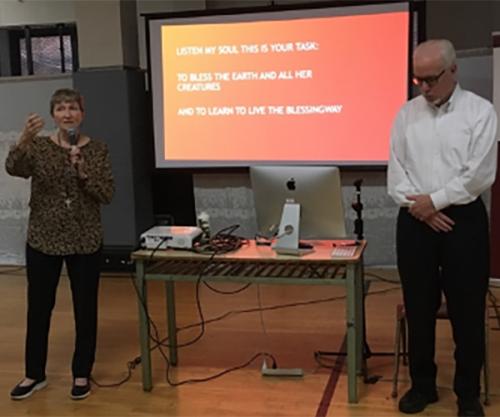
column 291, row 334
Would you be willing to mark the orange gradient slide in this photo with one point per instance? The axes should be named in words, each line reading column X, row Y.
column 323, row 89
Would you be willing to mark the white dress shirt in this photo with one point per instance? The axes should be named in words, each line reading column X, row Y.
column 448, row 151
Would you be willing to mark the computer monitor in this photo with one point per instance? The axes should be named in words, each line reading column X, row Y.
column 316, row 189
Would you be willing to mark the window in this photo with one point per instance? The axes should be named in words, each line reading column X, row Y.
column 41, row 50
column 46, row 55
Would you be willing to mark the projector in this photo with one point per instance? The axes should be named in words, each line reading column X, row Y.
column 163, row 237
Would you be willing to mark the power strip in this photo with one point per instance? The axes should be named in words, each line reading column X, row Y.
column 295, row 372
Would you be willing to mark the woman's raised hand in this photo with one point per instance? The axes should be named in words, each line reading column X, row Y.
column 33, row 125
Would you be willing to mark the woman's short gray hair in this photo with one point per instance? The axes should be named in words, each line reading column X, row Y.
column 65, row 95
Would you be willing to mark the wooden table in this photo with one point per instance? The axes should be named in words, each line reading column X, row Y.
column 260, row 265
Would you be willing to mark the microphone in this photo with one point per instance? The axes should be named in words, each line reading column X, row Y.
column 73, row 140
column 73, row 136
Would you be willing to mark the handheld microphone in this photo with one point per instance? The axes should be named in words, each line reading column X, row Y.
column 73, row 136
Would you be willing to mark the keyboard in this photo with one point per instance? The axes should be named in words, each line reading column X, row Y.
column 344, row 251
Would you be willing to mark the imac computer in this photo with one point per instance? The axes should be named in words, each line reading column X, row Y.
column 302, row 202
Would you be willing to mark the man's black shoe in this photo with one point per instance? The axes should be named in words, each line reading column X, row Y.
column 470, row 408
column 415, row 401
column 79, row 392
column 20, row 392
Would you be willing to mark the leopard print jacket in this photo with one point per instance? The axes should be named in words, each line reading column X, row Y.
column 65, row 216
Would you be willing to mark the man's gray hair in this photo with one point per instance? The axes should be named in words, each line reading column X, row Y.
column 447, row 49
column 448, row 52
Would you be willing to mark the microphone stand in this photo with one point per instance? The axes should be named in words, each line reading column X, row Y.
column 357, row 206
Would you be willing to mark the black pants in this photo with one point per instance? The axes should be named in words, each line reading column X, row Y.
column 457, row 264
column 43, row 272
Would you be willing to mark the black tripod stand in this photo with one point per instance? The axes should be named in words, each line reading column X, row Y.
column 357, row 206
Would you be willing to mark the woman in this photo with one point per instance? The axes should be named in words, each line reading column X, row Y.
column 70, row 178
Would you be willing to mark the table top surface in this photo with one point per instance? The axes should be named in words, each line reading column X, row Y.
column 250, row 251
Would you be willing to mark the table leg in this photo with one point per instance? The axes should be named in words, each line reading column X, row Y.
column 171, row 320
column 140, row 283
column 353, row 339
column 359, row 319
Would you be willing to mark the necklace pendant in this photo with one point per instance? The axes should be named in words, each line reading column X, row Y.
column 67, row 202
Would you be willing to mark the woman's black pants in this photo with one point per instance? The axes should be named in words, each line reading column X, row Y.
column 43, row 272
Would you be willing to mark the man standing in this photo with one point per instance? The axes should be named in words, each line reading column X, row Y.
column 443, row 156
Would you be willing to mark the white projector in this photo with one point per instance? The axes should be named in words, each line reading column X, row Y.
column 163, row 237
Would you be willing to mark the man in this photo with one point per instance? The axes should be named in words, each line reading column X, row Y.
column 443, row 156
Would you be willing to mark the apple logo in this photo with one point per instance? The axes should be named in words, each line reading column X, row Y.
column 290, row 184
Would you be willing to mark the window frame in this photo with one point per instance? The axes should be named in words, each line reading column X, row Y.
column 28, row 32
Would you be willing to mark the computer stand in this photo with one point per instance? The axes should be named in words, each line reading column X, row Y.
column 287, row 242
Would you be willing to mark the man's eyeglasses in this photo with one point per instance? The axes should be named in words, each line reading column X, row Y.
column 431, row 81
